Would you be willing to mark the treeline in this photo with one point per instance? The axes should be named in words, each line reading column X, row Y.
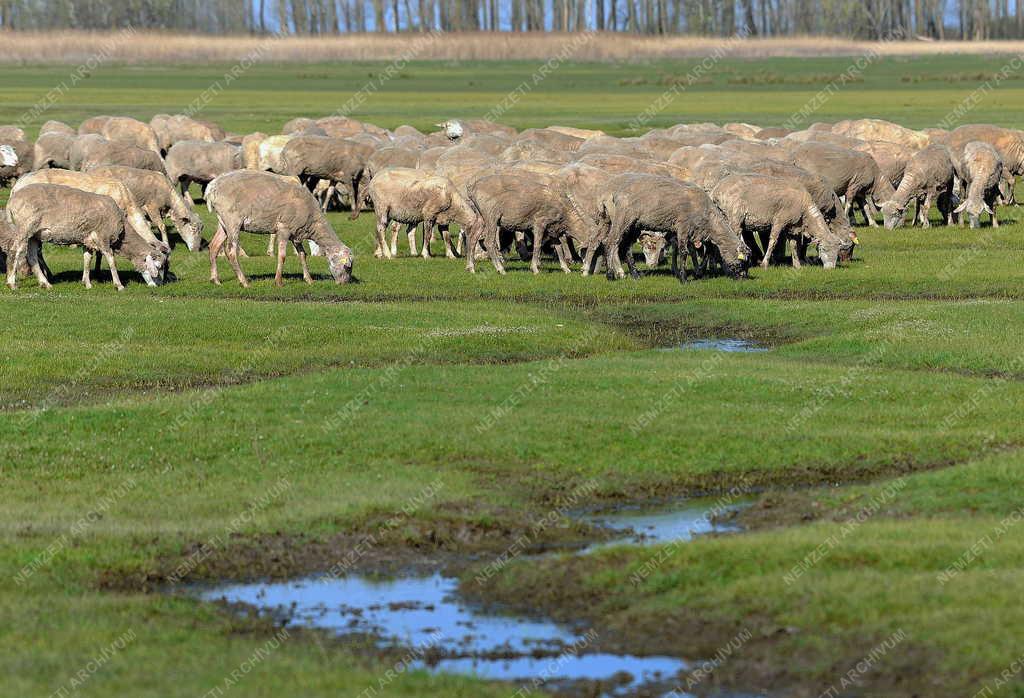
column 861, row 19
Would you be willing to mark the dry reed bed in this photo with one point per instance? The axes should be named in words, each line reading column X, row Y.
column 67, row 47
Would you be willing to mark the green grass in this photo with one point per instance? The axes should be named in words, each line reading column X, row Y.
column 161, row 415
column 917, row 92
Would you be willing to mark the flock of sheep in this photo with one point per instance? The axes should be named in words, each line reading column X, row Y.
column 723, row 197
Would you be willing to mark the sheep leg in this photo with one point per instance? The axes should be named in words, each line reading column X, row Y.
column 282, row 252
column 773, row 239
column 617, row 230
column 678, row 270
column 109, row 256
column 271, row 244
column 588, row 259
column 868, row 210
column 797, row 253
column 394, row 238
column 411, row 234
column 538, row 236
column 17, row 250
column 232, row 252
column 449, row 249
column 215, row 246
column 428, row 237
column 380, row 233
column 561, row 250
column 86, row 262
column 300, row 251
column 924, row 209
column 631, row 261
column 460, row 241
column 493, row 244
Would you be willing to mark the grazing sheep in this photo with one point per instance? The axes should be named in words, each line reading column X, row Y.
column 514, row 202
column 929, row 176
column 980, row 168
column 57, row 127
column 892, row 158
column 633, row 203
column 12, row 133
column 93, row 221
column 93, row 150
column 93, row 125
column 170, row 129
column 880, row 130
column 411, row 196
column 200, row 162
column 251, row 150
column 853, row 175
column 157, row 197
column 124, row 129
column 16, row 158
column 105, row 186
column 337, row 160
column 1009, row 143
column 773, row 207
column 53, row 149
column 379, row 161
column 262, row 202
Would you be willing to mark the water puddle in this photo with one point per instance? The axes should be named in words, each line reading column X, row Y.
column 726, row 344
column 451, row 635
column 659, row 524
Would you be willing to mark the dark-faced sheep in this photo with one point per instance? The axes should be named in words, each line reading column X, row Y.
column 265, row 203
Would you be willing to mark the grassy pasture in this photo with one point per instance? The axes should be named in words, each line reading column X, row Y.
column 157, row 416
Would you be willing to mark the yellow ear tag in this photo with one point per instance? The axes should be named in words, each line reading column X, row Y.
column 742, row 257
column 856, row 240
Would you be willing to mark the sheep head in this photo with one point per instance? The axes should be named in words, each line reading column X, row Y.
column 892, row 214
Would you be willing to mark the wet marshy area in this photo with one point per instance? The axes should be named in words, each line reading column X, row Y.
column 424, row 616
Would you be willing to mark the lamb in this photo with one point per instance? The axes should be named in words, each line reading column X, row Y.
column 94, row 150
column 200, row 162
column 93, row 221
column 632, row 203
column 776, row 207
column 516, row 202
column 411, row 196
column 262, row 202
column 53, row 149
column 980, row 168
column 157, row 197
column 929, row 175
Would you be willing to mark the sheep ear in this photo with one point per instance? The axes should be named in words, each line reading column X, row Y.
column 961, row 207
